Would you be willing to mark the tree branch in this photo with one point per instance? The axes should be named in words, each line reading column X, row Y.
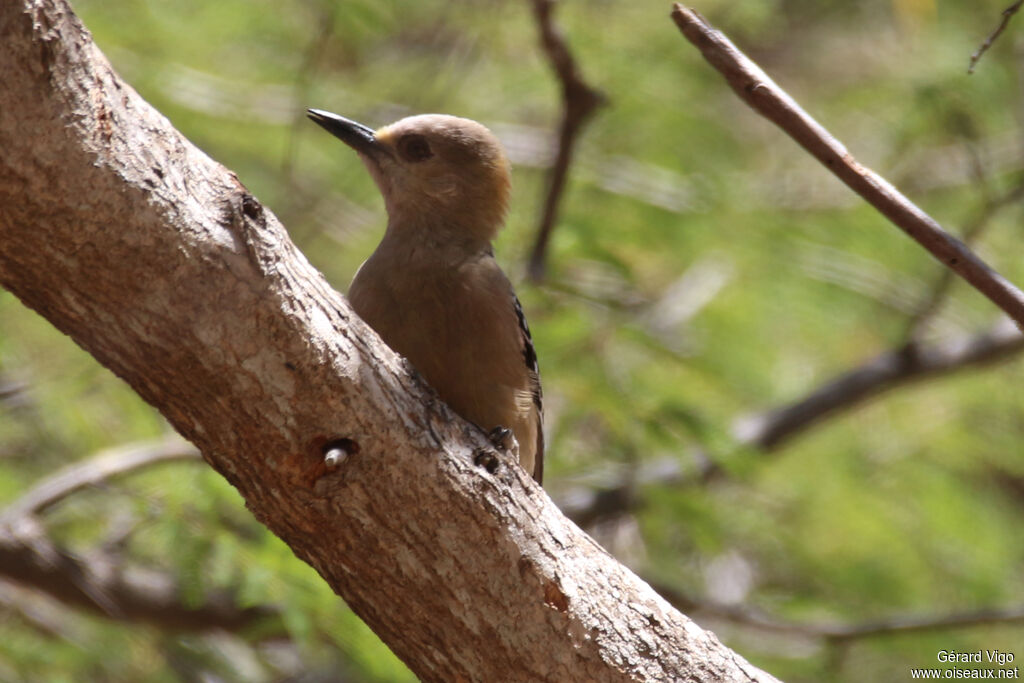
column 103, row 585
column 898, row 367
column 11, row 390
column 94, row 470
column 769, row 430
column 839, row 632
column 579, row 102
column 768, row 99
column 48, row 618
column 1004, row 22
column 944, row 281
column 102, row 582
column 161, row 264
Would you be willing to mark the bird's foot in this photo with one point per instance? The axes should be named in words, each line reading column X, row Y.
column 504, row 440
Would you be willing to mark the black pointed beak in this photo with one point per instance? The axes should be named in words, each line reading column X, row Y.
column 357, row 136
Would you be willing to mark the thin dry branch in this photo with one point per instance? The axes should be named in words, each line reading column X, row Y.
column 579, row 102
column 751, row 83
column 1003, row 23
column 11, row 390
column 94, row 470
column 939, row 290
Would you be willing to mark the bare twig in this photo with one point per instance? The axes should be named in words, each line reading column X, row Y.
column 94, row 470
column 1007, row 15
column 579, row 102
column 769, row 100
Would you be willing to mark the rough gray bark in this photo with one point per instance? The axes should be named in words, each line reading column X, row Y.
column 157, row 260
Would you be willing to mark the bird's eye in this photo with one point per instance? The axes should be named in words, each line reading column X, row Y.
column 414, row 148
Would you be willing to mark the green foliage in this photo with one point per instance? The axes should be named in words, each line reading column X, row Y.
column 908, row 505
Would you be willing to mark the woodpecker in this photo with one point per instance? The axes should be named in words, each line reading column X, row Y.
column 432, row 289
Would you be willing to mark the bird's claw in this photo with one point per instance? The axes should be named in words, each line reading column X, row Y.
column 504, row 440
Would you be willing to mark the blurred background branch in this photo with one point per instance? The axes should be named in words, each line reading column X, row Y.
column 579, row 102
column 110, row 587
column 899, row 367
column 104, row 582
column 771, row 429
column 836, row 633
column 95, row 470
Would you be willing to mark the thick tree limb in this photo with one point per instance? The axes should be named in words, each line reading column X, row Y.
column 762, row 94
column 579, row 102
column 159, row 262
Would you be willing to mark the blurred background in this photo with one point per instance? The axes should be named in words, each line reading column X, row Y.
column 761, row 396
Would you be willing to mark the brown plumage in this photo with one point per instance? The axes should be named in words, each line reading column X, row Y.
column 432, row 289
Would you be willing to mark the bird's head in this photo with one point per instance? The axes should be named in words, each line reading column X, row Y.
column 437, row 173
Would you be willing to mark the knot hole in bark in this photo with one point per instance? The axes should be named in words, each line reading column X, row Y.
column 337, row 451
